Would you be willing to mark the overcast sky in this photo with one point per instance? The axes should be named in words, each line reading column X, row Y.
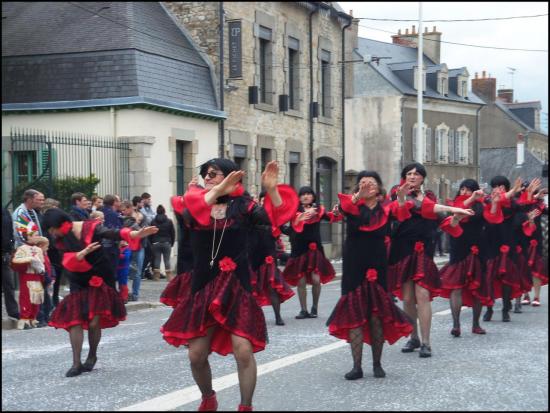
column 530, row 81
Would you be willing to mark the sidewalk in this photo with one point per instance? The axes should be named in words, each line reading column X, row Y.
column 151, row 290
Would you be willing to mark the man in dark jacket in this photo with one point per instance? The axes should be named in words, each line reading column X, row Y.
column 7, row 275
column 79, row 207
column 162, row 243
column 112, row 221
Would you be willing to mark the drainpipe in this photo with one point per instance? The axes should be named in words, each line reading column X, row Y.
column 478, row 167
column 112, row 111
column 222, row 123
column 311, row 94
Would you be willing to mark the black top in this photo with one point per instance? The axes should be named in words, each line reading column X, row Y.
column 299, row 241
column 473, row 228
column 8, row 242
column 166, row 229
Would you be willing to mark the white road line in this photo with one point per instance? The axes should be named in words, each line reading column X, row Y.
column 448, row 311
column 189, row 394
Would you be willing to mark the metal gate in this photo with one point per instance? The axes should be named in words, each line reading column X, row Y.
column 60, row 163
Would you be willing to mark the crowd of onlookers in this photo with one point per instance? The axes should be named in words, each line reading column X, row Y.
column 30, row 253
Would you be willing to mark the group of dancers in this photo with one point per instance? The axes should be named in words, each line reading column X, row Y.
column 227, row 265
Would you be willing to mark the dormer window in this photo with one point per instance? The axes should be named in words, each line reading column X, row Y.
column 443, row 81
column 462, row 85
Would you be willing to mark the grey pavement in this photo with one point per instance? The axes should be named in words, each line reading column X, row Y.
column 507, row 369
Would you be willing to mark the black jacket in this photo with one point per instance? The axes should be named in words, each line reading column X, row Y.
column 7, row 232
column 166, row 229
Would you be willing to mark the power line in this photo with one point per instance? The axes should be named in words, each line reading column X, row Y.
column 453, row 20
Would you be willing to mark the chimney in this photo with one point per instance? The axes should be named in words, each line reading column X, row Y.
column 432, row 42
column 485, row 87
column 520, row 157
column 506, row 95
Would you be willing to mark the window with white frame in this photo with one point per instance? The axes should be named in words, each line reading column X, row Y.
column 442, row 83
column 462, row 85
column 463, row 145
column 452, row 146
column 442, row 144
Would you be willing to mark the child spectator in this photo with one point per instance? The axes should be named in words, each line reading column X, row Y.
column 123, row 269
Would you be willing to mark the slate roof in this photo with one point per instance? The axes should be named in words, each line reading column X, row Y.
column 399, row 69
column 492, row 160
column 512, row 115
column 81, row 54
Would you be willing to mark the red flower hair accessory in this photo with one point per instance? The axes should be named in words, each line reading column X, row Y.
column 66, row 227
column 269, row 259
column 226, row 264
column 474, row 249
column 419, row 246
column 534, row 242
column 312, row 246
column 505, row 249
column 372, row 274
column 95, row 281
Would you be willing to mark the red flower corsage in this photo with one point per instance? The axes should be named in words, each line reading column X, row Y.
column 474, row 249
column 372, row 274
column 519, row 249
column 312, row 246
column 419, row 246
column 534, row 242
column 95, row 281
column 505, row 249
column 66, row 227
column 227, row 264
column 269, row 259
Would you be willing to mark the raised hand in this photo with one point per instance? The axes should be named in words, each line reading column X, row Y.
column 193, row 181
column 270, row 175
column 461, row 212
column 402, row 192
column 146, row 231
column 478, row 194
column 533, row 214
column 533, row 186
column 89, row 249
column 229, row 183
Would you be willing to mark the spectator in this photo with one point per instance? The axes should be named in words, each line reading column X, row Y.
column 136, row 261
column 149, row 214
column 162, row 243
column 97, row 203
column 56, row 259
column 112, row 221
column 8, row 287
column 99, row 215
column 123, row 269
column 147, row 209
column 27, row 216
column 79, row 205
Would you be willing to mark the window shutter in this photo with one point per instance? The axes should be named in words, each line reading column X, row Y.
column 414, row 145
column 438, row 145
column 470, row 149
column 428, row 144
column 452, row 144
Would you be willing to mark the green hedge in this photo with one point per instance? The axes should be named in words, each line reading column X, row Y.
column 61, row 189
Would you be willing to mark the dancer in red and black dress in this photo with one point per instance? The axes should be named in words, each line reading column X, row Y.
column 532, row 200
column 502, row 257
column 366, row 311
column 93, row 303
column 221, row 313
column 307, row 262
column 463, row 279
column 412, row 273
column 268, row 285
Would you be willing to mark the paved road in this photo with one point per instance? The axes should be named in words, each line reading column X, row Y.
column 301, row 369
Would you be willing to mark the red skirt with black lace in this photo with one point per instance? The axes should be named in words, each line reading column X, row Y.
column 524, row 272
column 267, row 278
column 355, row 309
column 80, row 307
column 501, row 270
column 537, row 264
column 178, row 288
column 223, row 304
column 418, row 267
column 312, row 261
column 468, row 276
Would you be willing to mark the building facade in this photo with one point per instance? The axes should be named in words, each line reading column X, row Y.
column 278, row 61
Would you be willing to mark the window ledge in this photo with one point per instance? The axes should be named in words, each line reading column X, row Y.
column 294, row 113
column 265, row 106
column 325, row 120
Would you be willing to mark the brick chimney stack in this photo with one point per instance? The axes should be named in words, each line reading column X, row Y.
column 485, row 87
column 506, row 95
column 432, row 42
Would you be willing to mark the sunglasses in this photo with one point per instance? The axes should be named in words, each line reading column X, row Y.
column 213, row 174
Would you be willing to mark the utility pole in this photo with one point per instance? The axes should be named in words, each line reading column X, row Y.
column 419, row 89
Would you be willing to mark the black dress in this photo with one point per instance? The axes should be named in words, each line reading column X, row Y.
column 365, row 262
column 92, row 281
column 466, row 267
column 221, row 293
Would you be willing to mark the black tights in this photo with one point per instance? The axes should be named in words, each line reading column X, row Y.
column 275, row 303
column 377, row 342
column 76, row 335
column 506, row 301
column 456, row 305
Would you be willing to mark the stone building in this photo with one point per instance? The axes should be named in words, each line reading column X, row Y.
column 279, row 60
column 384, row 137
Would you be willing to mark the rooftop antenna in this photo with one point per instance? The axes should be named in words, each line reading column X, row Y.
column 511, row 72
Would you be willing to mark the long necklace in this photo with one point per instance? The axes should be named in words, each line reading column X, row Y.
column 212, row 255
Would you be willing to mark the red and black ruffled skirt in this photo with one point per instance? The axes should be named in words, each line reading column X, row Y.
column 224, row 304
column 537, row 264
column 80, row 307
column 468, row 276
column 312, row 261
column 355, row 309
column 502, row 270
column 418, row 267
column 269, row 277
column 178, row 288
column 524, row 273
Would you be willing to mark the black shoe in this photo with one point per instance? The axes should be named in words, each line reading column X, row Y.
column 89, row 364
column 74, row 371
column 411, row 345
column 517, row 308
column 425, row 351
column 42, row 324
column 488, row 314
column 313, row 312
column 303, row 314
column 378, row 371
column 505, row 316
column 279, row 322
column 354, row 374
